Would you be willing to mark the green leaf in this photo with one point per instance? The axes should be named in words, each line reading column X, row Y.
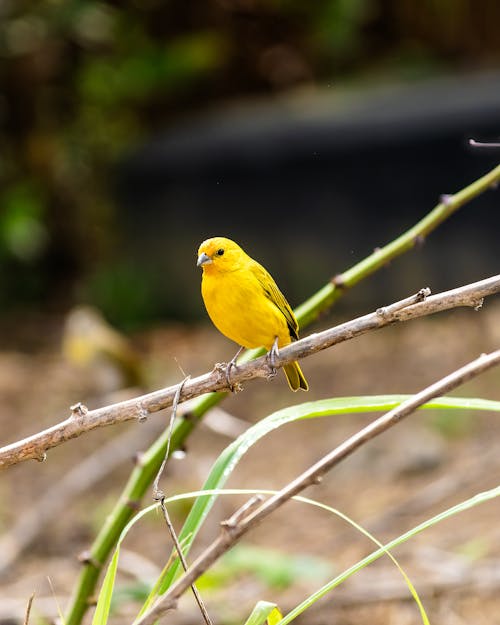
column 101, row 613
column 411, row 587
column 461, row 507
column 103, row 607
column 264, row 612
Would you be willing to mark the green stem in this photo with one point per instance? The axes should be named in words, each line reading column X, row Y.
column 144, row 473
column 325, row 297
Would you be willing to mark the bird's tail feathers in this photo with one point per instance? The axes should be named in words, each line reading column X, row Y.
column 295, row 377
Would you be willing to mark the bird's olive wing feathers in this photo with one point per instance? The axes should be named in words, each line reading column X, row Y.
column 272, row 292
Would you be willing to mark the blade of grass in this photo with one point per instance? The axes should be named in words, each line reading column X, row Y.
column 480, row 498
column 103, row 606
column 411, row 587
column 230, row 457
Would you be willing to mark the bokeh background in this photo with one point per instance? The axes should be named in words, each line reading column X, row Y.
column 310, row 132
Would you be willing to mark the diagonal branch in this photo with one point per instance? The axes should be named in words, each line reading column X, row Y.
column 232, row 532
column 82, row 420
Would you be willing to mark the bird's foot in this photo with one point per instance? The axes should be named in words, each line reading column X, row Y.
column 234, row 388
column 271, row 357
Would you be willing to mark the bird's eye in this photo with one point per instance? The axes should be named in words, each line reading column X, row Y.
column 220, row 252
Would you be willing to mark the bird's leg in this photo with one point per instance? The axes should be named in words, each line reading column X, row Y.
column 271, row 355
column 230, row 365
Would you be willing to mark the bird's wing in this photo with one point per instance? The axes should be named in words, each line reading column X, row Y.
column 273, row 293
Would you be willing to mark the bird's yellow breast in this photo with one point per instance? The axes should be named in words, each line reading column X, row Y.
column 239, row 308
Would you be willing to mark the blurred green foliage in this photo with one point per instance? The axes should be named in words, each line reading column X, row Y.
column 125, row 291
column 271, row 567
column 22, row 230
column 83, row 82
column 452, row 425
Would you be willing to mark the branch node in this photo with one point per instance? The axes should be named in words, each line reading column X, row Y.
column 138, row 459
column 41, row 457
column 446, row 199
column 221, row 369
column 479, row 304
column 179, row 454
column 85, row 557
column 419, row 241
column 133, row 504
column 188, row 416
column 78, row 410
column 142, row 412
column 423, row 294
column 159, row 495
column 241, row 513
column 338, row 281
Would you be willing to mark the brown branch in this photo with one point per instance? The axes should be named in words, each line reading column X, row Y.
column 82, row 420
column 233, row 531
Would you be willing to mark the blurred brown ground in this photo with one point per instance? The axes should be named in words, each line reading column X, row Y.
column 376, row 486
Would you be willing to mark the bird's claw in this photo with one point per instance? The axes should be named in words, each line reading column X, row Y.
column 271, row 356
column 234, row 388
column 229, row 366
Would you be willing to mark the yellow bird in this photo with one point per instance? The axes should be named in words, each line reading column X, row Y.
column 245, row 304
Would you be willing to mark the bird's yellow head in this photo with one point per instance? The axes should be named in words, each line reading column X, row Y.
column 220, row 255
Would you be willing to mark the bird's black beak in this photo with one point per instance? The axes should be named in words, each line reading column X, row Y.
column 203, row 259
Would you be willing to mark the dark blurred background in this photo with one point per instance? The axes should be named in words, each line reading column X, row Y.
column 311, row 132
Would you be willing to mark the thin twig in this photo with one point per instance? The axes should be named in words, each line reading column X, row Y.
column 83, row 421
column 420, row 296
column 178, row 549
column 231, row 534
column 483, row 144
column 28, row 609
column 159, row 495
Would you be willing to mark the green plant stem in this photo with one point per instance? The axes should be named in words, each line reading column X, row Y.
column 328, row 295
column 145, row 471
